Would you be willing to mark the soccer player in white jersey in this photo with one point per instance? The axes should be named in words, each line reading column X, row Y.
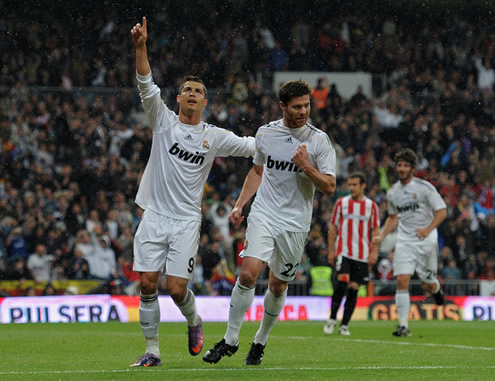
column 355, row 222
column 292, row 159
column 417, row 208
column 170, row 191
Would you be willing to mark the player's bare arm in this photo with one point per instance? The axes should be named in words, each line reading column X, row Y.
column 249, row 188
column 332, row 235
column 139, row 36
column 324, row 182
column 373, row 257
column 389, row 226
column 438, row 218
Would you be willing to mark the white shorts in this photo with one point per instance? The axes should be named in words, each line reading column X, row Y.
column 282, row 250
column 422, row 258
column 164, row 243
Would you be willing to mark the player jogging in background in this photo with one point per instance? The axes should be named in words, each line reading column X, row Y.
column 355, row 222
column 292, row 159
column 417, row 208
column 170, row 191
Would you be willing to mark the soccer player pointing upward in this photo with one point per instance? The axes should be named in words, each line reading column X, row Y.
column 292, row 159
column 418, row 209
column 170, row 192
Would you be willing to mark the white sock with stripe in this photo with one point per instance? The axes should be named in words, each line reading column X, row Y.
column 149, row 317
column 188, row 309
column 272, row 307
column 241, row 300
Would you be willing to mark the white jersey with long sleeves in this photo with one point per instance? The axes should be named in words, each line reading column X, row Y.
column 181, row 157
column 285, row 195
column 414, row 204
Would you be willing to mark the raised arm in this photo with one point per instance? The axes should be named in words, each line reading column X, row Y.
column 139, row 36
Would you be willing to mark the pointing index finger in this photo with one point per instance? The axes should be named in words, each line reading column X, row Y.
column 144, row 22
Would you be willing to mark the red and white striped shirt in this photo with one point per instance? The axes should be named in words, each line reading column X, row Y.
column 354, row 221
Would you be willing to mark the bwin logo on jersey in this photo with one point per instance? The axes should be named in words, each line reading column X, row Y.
column 406, row 208
column 282, row 165
column 197, row 158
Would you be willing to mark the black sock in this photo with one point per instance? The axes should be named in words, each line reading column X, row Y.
column 350, row 303
column 338, row 294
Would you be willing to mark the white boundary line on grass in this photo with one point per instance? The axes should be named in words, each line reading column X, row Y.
column 370, row 341
column 206, row 370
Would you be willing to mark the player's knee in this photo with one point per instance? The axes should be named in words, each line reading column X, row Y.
column 343, row 278
column 429, row 287
column 177, row 293
column 278, row 288
column 354, row 286
column 247, row 278
column 403, row 282
column 147, row 286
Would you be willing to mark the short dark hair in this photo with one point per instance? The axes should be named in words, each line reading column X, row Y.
column 193, row 78
column 407, row 155
column 358, row 175
column 293, row 89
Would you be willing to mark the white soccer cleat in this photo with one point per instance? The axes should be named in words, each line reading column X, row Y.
column 344, row 331
column 329, row 326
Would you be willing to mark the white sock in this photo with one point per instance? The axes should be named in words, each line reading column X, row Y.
column 188, row 309
column 149, row 317
column 272, row 307
column 241, row 300
column 403, row 304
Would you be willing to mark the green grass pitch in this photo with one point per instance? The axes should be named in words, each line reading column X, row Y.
column 438, row 350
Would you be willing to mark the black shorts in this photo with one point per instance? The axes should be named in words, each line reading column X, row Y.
column 358, row 271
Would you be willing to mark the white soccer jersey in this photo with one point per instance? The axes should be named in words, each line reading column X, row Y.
column 414, row 204
column 354, row 221
column 285, row 196
column 181, row 157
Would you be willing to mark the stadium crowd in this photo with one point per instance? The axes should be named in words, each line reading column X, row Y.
column 71, row 162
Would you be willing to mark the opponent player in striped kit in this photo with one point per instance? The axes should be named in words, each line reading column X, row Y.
column 170, row 191
column 292, row 159
column 355, row 222
column 418, row 209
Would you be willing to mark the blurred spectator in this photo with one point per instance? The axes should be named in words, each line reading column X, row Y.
column 222, row 280
column 210, row 258
column 78, row 266
column 49, row 290
column 101, row 260
column 18, row 270
column 40, row 264
column 16, row 244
